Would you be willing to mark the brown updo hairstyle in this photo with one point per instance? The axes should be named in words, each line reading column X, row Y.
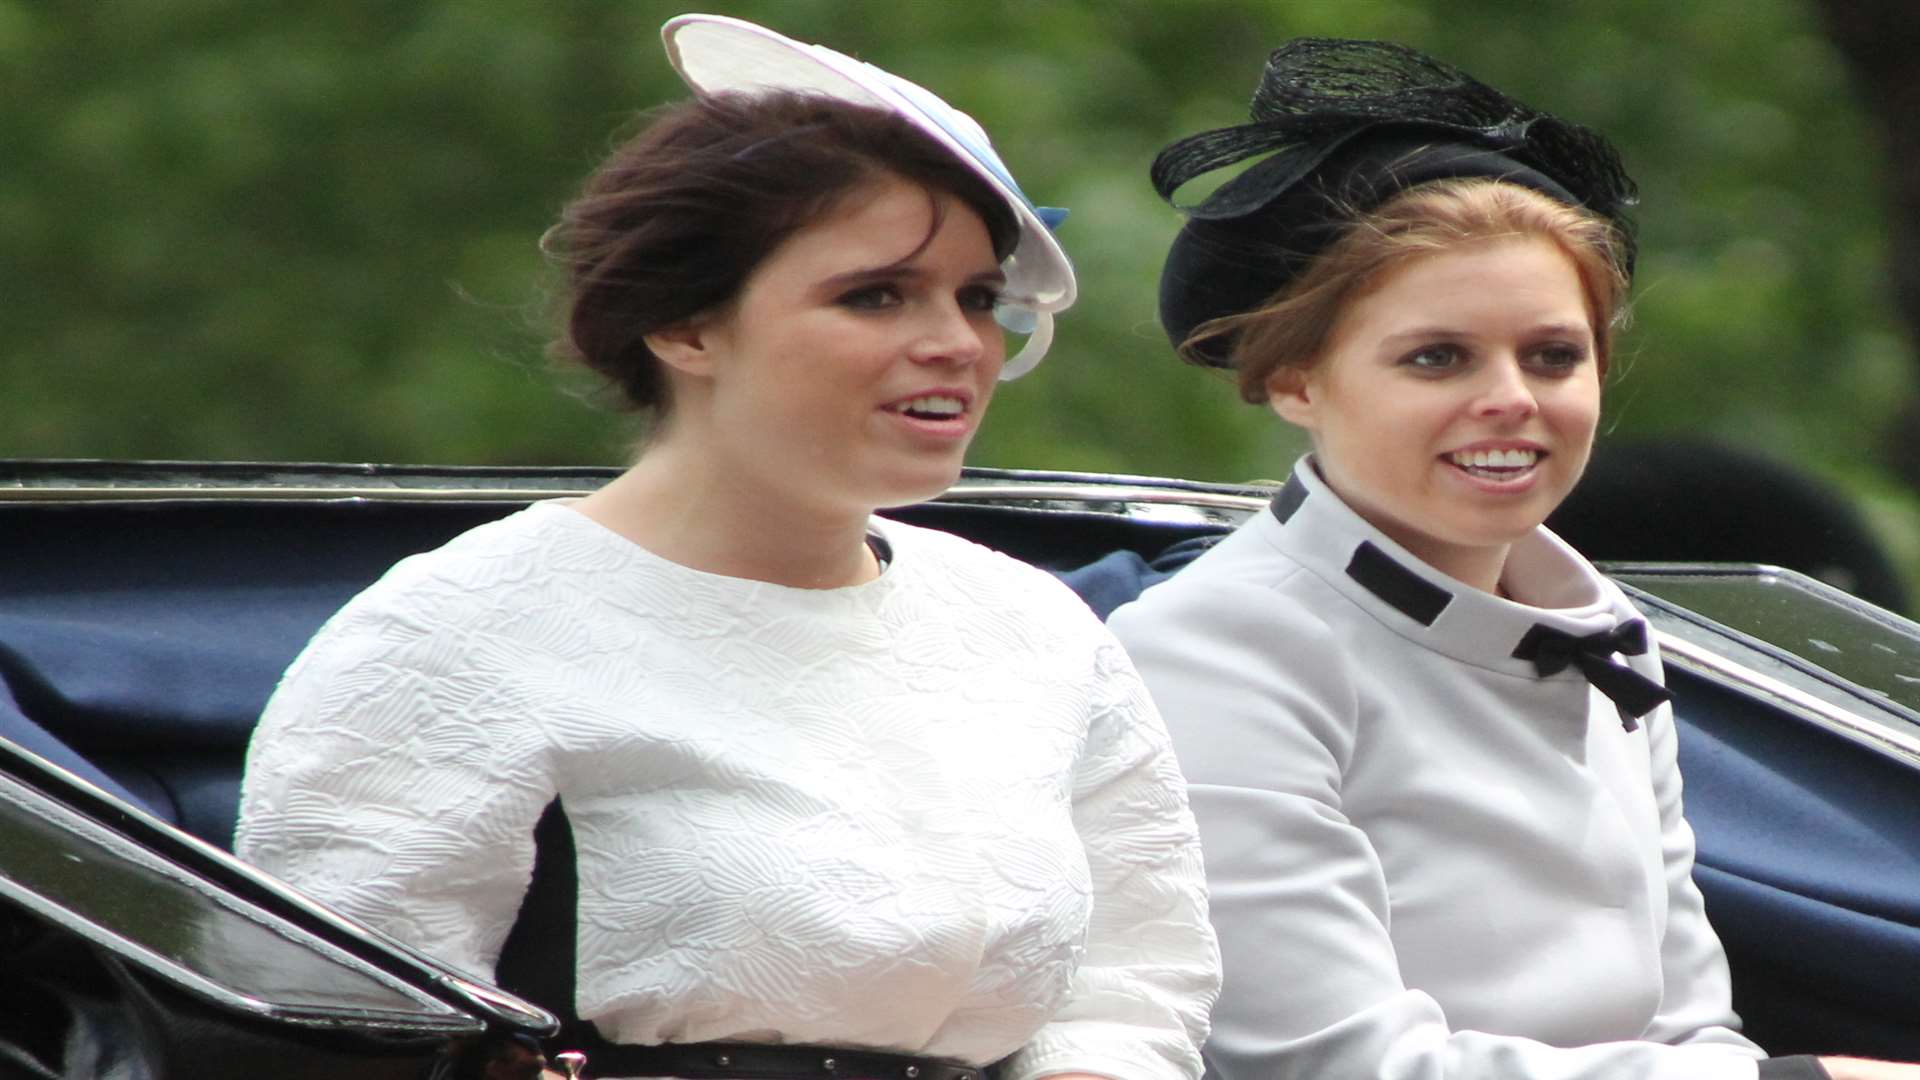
column 1292, row 328
column 671, row 225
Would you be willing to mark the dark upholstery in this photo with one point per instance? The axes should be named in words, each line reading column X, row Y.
column 147, row 637
column 1810, row 861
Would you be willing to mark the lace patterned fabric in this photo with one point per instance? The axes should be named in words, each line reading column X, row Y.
column 934, row 813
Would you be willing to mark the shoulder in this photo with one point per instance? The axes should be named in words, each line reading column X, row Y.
column 944, row 563
column 1244, row 662
column 478, row 585
column 1245, row 583
column 417, row 659
column 499, row 554
column 542, row 532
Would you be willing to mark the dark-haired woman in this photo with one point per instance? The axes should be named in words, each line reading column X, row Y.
column 1428, row 744
column 834, row 782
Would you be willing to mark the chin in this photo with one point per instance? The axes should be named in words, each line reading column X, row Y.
column 1498, row 534
column 916, row 486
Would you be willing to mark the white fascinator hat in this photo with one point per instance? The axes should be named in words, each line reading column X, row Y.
column 715, row 54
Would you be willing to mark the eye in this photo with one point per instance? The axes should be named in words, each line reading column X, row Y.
column 1435, row 359
column 1559, row 358
column 979, row 298
column 870, row 298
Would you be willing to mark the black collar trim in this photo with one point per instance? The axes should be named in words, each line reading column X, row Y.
column 1407, row 592
column 1289, row 499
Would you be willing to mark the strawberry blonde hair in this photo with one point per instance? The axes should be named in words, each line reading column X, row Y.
column 1291, row 329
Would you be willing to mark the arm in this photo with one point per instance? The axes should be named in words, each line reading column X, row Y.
column 1150, row 971
column 1696, row 1005
column 393, row 777
column 1844, row 1068
column 1264, row 718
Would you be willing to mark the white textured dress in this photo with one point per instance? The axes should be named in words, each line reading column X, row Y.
column 935, row 813
column 1426, row 859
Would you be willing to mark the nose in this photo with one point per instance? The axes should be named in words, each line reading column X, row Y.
column 950, row 334
column 1506, row 391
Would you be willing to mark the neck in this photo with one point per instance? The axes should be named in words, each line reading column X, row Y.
column 1477, row 567
column 685, row 508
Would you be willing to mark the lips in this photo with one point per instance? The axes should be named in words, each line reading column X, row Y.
column 944, row 414
column 935, row 407
column 1496, row 463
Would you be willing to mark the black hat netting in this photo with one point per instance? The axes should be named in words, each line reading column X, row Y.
column 1357, row 120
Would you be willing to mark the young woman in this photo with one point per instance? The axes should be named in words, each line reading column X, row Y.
column 1430, row 755
column 836, row 785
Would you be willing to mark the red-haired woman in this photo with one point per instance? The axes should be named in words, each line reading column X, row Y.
column 1429, row 747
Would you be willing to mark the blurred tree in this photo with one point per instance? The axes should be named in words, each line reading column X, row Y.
column 1879, row 39
column 279, row 230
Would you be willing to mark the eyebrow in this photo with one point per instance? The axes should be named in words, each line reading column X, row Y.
column 896, row 271
column 1556, row 329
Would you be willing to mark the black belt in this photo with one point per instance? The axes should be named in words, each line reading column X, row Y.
column 756, row 1061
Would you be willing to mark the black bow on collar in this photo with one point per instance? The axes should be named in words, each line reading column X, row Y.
column 1552, row 650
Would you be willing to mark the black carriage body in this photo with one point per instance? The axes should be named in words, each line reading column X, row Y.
column 146, row 611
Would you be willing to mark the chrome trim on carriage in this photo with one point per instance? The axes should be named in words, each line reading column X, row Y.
column 447, row 1020
column 1022, row 492
column 1099, row 493
column 446, row 1000
column 428, row 1012
column 1862, row 729
column 242, row 493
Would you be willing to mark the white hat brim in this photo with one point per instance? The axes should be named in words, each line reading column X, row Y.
column 717, row 54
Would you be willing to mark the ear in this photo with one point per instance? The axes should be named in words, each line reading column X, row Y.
column 687, row 347
column 1291, row 393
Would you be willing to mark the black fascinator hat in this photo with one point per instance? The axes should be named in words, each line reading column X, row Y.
column 1346, row 125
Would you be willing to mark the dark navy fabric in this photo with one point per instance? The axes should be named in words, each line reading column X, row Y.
column 1118, row 576
column 1810, row 862
column 145, row 639
column 24, row 733
column 160, row 693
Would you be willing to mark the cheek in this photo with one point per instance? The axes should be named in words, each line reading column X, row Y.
column 988, row 387
column 1579, row 407
column 993, row 350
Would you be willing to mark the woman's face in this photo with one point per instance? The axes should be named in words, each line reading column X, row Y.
column 855, row 365
column 1455, row 403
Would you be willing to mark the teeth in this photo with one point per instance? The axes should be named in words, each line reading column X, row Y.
column 933, row 405
column 1495, row 459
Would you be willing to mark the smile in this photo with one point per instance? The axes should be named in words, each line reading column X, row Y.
column 1495, row 464
column 931, row 407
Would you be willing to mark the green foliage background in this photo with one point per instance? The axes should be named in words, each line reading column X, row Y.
column 264, row 229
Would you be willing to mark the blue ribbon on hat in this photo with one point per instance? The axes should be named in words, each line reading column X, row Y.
column 1014, row 317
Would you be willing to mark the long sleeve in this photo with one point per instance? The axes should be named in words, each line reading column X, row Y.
column 1150, row 969
column 1265, row 707
column 1693, row 1005
column 934, row 813
column 394, row 775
